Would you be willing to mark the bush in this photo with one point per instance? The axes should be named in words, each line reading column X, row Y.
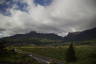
column 70, row 54
column 2, row 47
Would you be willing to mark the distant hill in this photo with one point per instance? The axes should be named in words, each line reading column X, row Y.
column 50, row 38
column 84, row 35
column 34, row 38
column 34, row 34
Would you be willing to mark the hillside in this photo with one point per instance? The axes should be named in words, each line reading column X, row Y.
column 35, row 38
column 81, row 36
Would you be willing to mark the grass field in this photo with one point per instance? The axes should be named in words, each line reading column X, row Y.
column 85, row 54
column 11, row 57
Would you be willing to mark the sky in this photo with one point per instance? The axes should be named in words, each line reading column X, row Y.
column 46, row 16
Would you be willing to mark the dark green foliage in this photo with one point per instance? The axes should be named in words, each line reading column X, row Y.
column 70, row 54
column 2, row 47
column 92, row 58
column 16, row 58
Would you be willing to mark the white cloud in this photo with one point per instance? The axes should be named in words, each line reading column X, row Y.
column 61, row 17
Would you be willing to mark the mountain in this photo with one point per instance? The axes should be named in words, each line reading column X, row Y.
column 50, row 38
column 34, row 34
column 81, row 36
column 34, row 38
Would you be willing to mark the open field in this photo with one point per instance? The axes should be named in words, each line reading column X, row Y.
column 11, row 57
column 85, row 54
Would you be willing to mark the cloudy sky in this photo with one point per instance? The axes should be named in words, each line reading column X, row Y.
column 46, row 16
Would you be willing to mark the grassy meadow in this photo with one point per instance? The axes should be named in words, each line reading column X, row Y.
column 11, row 57
column 85, row 54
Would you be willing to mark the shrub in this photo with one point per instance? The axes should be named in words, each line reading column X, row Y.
column 70, row 54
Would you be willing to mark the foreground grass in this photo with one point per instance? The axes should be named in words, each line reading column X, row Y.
column 85, row 54
column 11, row 57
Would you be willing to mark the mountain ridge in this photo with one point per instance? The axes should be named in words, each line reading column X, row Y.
column 84, row 35
column 50, row 38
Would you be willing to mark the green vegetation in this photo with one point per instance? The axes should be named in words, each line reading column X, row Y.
column 15, row 58
column 71, row 54
column 34, row 41
column 85, row 54
column 9, row 56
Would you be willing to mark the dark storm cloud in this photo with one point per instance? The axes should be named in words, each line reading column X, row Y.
column 93, row 2
column 2, row 29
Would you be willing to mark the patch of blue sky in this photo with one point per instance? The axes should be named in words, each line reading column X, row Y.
column 43, row 2
column 21, row 6
column 7, row 4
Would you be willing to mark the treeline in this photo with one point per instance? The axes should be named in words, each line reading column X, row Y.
column 33, row 41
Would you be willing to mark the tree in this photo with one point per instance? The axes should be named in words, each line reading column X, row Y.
column 70, row 54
